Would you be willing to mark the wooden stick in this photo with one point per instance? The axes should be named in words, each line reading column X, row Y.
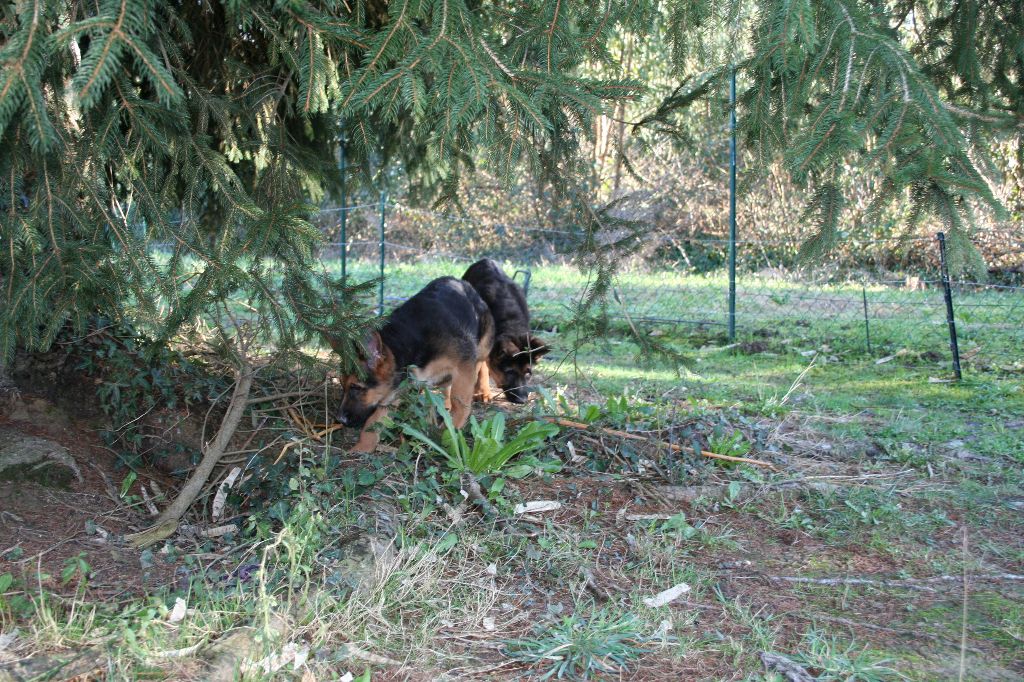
column 910, row 583
column 315, row 436
column 673, row 446
column 167, row 523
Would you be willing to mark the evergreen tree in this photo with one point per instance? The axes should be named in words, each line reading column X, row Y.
column 214, row 125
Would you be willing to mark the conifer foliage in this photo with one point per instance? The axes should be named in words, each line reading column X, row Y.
column 214, row 125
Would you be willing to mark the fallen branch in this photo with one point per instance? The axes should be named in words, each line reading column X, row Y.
column 602, row 594
column 791, row 670
column 167, row 523
column 476, row 495
column 910, row 583
column 672, row 446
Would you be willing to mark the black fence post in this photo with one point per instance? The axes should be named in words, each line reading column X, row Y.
column 526, row 280
column 343, row 212
column 732, row 207
column 954, row 347
column 867, row 327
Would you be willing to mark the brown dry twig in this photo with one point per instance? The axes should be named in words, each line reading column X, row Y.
column 476, row 495
column 791, row 670
column 672, row 446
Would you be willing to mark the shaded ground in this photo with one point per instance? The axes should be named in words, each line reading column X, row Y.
column 47, row 528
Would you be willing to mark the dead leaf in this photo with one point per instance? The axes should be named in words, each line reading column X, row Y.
column 222, row 493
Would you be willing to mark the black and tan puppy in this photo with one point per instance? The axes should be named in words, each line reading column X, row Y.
column 515, row 350
column 441, row 336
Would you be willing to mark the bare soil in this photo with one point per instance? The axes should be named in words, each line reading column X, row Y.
column 44, row 527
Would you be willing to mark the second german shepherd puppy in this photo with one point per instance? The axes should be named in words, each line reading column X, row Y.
column 441, row 336
column 515, row 350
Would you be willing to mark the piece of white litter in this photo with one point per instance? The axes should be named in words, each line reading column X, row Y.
column 648, row 517
column 7, row 639
column 291, row 653
column 222, row 493
column 664, row 627
column 491, row 570
column 301, row 656
column 178, row 612
column 153, row 511
column 936, row 380
column 489, row 624
column 574, row 458
column 537, row 506
column 890, row 358
column 347, row 677
column 667, row 596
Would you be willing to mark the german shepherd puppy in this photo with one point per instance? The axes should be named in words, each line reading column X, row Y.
column 441, row 336
column 511, row 358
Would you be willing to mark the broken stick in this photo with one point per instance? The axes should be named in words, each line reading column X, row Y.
column 672, row 446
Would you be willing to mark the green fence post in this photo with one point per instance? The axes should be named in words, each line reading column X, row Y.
column 343, row 243
column 954, row 346
column 867, row 328
column 732, row 206
column 383, row 214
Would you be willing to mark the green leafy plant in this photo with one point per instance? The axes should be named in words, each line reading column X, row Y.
column 834, row 661
column 578, row 647
column 486, row 451
column 75, row 567
column 732, row 444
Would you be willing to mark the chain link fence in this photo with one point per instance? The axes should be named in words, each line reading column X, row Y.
column 846, row 307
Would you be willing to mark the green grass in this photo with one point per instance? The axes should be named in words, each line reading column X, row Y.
column 781, row 312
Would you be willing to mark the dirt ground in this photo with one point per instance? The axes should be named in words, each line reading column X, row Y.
column 44, row 527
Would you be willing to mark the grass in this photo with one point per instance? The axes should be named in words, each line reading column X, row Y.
column 799, row 313
column 383, row 563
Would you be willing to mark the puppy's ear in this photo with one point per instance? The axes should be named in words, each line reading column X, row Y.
column 374, row 350
column 508, row 347
column 538, row 347
column 380, row 361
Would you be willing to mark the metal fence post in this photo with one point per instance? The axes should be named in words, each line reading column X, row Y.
column 954, row 347
column 867, row 328
column 732, row 206
column 343, row 243
column 383, row 214
column 526, row 280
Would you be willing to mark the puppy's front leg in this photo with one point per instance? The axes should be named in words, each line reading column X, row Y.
column 462, row 393
column 368, row 438
column 482, row 391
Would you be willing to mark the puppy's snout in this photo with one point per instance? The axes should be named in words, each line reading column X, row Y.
column 342, row 418
column 518, row 395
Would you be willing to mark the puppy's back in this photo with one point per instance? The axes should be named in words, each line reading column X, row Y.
column 446, row 317
column 503, row 297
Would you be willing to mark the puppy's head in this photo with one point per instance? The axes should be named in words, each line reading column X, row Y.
column 371, row 387
column 511, row 364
